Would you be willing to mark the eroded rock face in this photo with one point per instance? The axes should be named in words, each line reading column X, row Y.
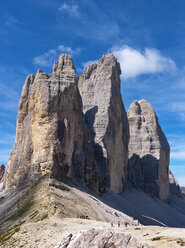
column 105, row 115
column 2, row 171
column 148, row 151
column 51, row 135
column 174, row 185
column 98, row 237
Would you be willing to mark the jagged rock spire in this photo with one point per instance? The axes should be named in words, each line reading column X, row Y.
column 106, row 118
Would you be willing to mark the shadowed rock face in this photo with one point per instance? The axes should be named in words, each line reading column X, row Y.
column 51, row 135
column 2, row 171
column 105, row 115
column 174, row 185
column 148, row 151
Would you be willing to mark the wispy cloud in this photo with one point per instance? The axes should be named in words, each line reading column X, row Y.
column 85, row 64
column 10, row 21
column 70, row 9
column 47, row 59
column 4, row 155
column 181, row 181
column 177, row 144
column 135, row 62
column 8, row 92
column 180, row 155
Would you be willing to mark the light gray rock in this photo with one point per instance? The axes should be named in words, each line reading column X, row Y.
column 105, row 115
column 99, row 238
column 51, row 136
column 148, row 151
column 2, row 172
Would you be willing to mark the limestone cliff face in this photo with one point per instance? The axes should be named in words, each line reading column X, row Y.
column 105, row 115
column 148, row 151
column 51, row 136
column 2, row 171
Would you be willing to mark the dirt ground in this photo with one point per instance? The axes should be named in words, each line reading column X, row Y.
column 48, row 233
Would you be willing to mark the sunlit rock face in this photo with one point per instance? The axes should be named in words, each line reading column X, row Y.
column 105, row 115
column 51, row 135
column 64, row 134
column 148, row 151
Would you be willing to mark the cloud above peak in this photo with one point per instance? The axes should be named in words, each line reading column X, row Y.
column 135, row 62
column 47, row 59
column 70, row 9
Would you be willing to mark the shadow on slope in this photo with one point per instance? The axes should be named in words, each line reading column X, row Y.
column 148, row 210
column 69, row 199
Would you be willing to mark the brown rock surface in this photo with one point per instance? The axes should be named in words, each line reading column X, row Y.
column 148, row 151
column 51, row 135
column 99, row 86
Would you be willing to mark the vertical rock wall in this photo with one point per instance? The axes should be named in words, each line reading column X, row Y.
column 99, row 86
column 148, row 151
column 51, row 137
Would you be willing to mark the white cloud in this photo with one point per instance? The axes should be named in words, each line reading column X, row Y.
column 181, row 181
column 85, row 64
column 180, row 155
column 48, row 58
column 177, row 144
column 134, row 62
column 69, row 50
column 71, row 9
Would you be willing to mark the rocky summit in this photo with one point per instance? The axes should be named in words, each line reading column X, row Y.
column 75, row 149
column 76, row 127
column 72, row 127
column 51, row 135
column 99, row 87
column 149, row 151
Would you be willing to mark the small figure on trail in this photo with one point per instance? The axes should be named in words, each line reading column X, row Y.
column 126, row 223
column 118, row 223
column 112, row 224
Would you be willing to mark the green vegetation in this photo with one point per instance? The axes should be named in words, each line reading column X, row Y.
column 45, row 216
column 6, row 236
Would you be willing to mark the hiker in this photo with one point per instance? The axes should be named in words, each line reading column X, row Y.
column 126, row 223
column 118, row 223
column 112, row 224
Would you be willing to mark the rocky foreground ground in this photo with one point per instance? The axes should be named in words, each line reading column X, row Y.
column 74, row 232
column 45, row 215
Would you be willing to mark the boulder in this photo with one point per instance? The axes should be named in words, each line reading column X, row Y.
column 98, row 237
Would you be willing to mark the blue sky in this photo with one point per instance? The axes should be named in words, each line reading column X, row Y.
column 147, row 36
